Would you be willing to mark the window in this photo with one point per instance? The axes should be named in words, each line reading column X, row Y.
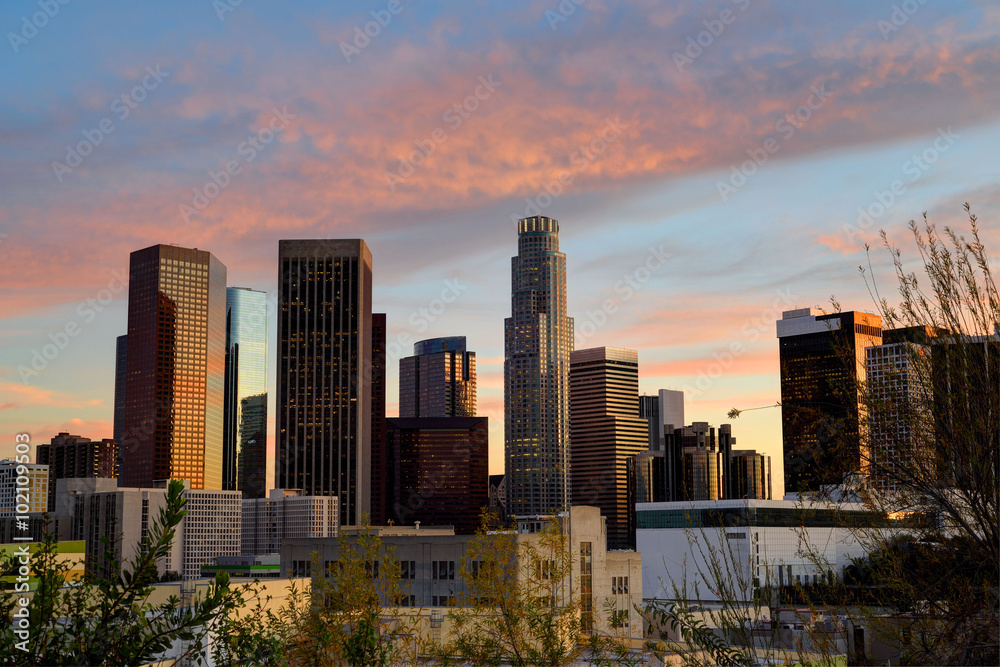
column 443, row 569
column 408, row 569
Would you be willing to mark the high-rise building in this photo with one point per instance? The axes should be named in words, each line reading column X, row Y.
column 703, row 453
column 538, row 338
column 664, row 412
column 822, row 372
column 439, row 380
column 379, row 476
column 121, row 375
column 439, row 471
column 286, row 513
column 175, row 368
column 73, row 456
column 323, row 439
column 244, row 453
column 17, row 498
column 750, row 475
column 605, row 430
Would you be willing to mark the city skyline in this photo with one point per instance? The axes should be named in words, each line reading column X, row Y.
column 695, row 274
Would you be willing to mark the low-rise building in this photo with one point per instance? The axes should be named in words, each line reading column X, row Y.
column 286, row 513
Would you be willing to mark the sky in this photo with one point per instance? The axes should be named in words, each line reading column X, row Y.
column 711, row 164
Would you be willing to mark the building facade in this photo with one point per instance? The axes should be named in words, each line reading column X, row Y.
column 750, row 475
column 121, row 376
column 438, row 471
column 538, row 339
column 33, row 477
column 267, row 522
column 822, row 372
column 379, row 457
column 244, row 453
column 175, row 368
column 73, row 456
column 605, row 432
column 210, row 529
column 439, row 380
column 323, row 439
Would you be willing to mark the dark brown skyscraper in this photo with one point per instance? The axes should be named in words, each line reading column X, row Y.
column 70, row 456
column 822, row 363
column 440, row 471
column 605, row 431
column 439, row 380
column 379, row 476
column 175, row 368
column 323, row 440
column 121, row 359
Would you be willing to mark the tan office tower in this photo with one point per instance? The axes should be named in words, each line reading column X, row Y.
column 822, row 368
column 175, row 369
column 323, row 439
column 605, row 431
column 538, row 337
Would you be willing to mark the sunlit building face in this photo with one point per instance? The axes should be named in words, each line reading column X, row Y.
column 175, row 368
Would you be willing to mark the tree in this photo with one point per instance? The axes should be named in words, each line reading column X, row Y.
column 517, row 607
column 107, row 619
column 352, row 613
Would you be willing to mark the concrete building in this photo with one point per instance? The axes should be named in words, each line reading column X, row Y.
column 244, row 454
column 438, row 471
column 431, row 564
column 267, row 522
column 323, row 438
column 210, row 529
column 822, row 371
column 439, row 380
column 759, row 543
column 538, row 338
column 70, row 456
column 31, row 479
column 175, row 368
column 605, row 432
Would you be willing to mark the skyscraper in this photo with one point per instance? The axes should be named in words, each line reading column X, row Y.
column 822, row 371
column 175, row 368
column 605, row 430
column 121, row 359
column 439, row 472
column 323, row 440
column 750, row 475
column 538, row 338
column 244, row 454
column 380, row 478
column 439, row 380
column 74, row 456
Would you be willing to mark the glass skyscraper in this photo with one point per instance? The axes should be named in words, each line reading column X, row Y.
column 439, row 380
column 323, row 440
column 244, row 454
column 538, row 339
column 175, row 369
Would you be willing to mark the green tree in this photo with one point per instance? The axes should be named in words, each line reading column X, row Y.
column 108, row 620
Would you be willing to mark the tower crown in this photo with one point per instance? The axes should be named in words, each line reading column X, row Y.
column 538, row 223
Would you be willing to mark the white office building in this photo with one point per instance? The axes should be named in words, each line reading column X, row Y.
column 755, row 543
column 286, row 513
column 34, row 494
